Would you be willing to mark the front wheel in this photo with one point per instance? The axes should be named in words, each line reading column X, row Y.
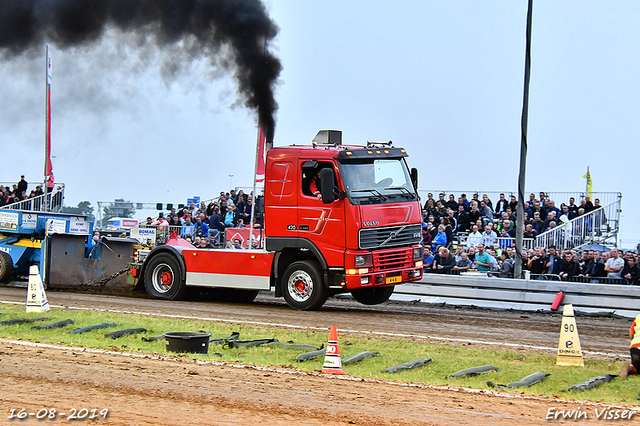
column 163, row 278
column 372, row 296
column 302, row 286
column 6, row 266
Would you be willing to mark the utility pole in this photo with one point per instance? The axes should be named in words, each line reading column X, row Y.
column 517, row 272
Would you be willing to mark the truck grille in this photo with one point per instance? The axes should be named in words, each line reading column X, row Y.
column 390, row 236
column 392, row 259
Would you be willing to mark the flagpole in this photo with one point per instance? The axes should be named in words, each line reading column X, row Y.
column 255, row 178
column 46, row 126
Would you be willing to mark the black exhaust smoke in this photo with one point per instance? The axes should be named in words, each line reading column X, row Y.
column 206, row 27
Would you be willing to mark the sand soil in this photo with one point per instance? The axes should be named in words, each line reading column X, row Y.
column 168, row 390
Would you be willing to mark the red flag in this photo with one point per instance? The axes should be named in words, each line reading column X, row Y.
column 48, row 167
column 261, row 167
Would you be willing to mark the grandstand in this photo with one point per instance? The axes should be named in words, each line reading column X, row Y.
column 598, row 228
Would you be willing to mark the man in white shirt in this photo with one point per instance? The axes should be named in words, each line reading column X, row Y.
column 489, row 237
column 614, row 264
column 475, row 237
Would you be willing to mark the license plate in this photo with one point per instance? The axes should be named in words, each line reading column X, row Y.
column 392, row 280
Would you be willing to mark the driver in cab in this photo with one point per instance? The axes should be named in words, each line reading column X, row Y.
column 314, row 185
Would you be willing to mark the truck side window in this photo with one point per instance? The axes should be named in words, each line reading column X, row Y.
column 307, row 179
column 310, row 171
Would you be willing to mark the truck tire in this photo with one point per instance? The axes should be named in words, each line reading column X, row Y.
column 6, row 266
column 302, row 286
column 372, row 296
column 163, row 278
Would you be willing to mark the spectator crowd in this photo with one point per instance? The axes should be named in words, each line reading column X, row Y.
column 205, row 225
column 470, row 218
column 20, row 192
column 593, row 266
column 489, row 232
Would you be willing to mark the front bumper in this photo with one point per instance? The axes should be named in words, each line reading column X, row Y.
column 382, row 279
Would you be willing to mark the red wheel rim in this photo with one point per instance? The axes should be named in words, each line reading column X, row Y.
column 167, row 278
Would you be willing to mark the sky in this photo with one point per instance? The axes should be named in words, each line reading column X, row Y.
column 442, row 79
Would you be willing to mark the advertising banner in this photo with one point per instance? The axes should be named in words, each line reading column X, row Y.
column 8, row 221
column 242, row 234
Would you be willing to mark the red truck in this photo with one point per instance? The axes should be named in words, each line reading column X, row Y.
column 337, row 219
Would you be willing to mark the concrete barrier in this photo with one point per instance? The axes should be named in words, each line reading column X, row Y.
column 526, row 295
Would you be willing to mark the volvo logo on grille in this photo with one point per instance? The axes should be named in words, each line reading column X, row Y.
column 373, row 223
column 393, row 235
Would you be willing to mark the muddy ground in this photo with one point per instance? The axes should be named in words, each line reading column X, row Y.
column 173, row 390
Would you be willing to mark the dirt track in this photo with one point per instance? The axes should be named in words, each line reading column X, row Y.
column 172, row 391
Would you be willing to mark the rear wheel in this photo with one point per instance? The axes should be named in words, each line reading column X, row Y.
column 163, row 278
column 302, row 286
column 6, row 266
column 372, row 296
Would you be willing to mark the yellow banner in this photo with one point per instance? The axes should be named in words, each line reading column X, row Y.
column 587, row 176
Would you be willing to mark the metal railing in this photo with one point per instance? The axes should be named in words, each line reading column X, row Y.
column 578, row 279
column 605, row 198
column 498, row 242
column 163, row 233
column 217, row 239
column 46, row 202
column 473, row 273
column 598, row 227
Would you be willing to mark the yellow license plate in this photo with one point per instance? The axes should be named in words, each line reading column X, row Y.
column 392, row 280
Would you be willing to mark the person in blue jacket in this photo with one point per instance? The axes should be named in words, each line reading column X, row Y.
column 440, row 238
column 202, row 229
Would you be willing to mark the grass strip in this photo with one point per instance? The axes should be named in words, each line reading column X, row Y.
column 513, row 365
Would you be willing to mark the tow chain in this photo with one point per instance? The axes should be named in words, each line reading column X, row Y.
column 105, row 280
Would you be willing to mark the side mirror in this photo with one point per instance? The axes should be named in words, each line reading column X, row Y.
column 414, row 178
column 326, row 185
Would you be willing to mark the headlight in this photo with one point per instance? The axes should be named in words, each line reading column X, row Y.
column 417, row 253
column 364, row 260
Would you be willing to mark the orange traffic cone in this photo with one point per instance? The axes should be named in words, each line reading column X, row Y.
column 332, row 362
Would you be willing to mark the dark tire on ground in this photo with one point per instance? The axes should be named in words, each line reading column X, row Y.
column 372, row 296
column 6, row 266
column 302, row 286
column 163, row 278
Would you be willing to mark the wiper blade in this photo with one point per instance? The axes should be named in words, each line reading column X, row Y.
column 403, row 189
column 373, row 191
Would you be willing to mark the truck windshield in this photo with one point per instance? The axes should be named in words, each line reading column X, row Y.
column 377, row 180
